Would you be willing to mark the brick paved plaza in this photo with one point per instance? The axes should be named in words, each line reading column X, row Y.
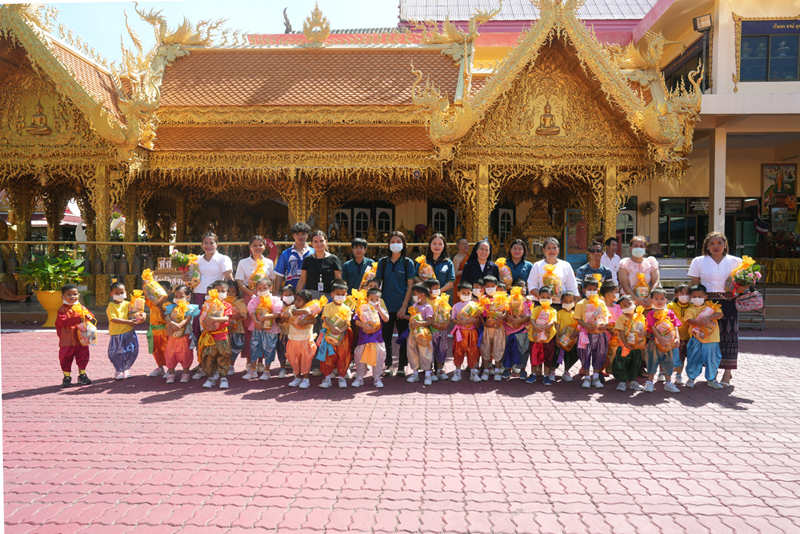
column 141, row 456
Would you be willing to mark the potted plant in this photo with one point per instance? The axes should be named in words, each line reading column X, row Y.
column 48, row 275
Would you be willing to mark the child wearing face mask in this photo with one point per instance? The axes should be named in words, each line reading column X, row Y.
column 265, row 331
column 438, row 331
column 627, row 360
column 236, row 325
column 542, row 337
column 69, row 346
column 517, row 352
column 157, row 334
column 592, row 316
column 370, row 345
column 123, row 349
column 493, row 341
column 465, row 334
column 610, row 292
column 179, row 338
column 565, row 319
column 655, row 357
column 213, row 347
column 680, row 306
column 335, row 356
column 420, row 358
column 703, row 347
column 300, row 347
column 287, row 298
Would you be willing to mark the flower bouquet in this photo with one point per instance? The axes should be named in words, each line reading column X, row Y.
column 746, row 274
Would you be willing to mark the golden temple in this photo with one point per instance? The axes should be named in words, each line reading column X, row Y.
column 214, row 129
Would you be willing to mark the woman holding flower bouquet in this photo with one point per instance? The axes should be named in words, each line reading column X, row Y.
column 713, row 269
column 212, row 266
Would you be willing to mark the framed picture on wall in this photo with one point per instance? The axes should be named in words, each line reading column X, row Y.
column 778, row 187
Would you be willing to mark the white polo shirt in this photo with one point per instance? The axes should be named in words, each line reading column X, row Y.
column 211, row 270
column 563, row 270
column 612, row 264
column 713, row 275
column 247, row 266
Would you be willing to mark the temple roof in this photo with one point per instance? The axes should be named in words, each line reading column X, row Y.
column 293, row 138
column 462, row 10
column 302, row 77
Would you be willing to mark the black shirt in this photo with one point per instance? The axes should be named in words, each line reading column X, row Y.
column 325, row 267
column 472, row 271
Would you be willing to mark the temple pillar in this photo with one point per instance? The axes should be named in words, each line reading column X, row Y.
column 716, row 181
column 297, row 197
column 87, row 215
column 101, row 203
column 55, row 203
column 131, row 213
column 22, row 201
column 610, row 202
column 180, row 223
column 594, row 213
column 483, row 203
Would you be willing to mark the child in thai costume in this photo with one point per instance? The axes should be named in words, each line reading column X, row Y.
column 541, row 333
column 439, row 326
column 609, row 292
column 703, row 348
column 300, row 347
column 567, row 337
column 265, row 312
column 517, row 351
column 371, row 350
column 157, row 332
column 592, row 317
column 180, row 339
column 287, row 298
column 680, row 306
column 71, row 344
column 662, row 327
column 420, row 352
column 466, row 315
column 123, row 349
column 493, row 340
column 334, row 343
column 237, row 322
column 630, row 328
column 213, row 347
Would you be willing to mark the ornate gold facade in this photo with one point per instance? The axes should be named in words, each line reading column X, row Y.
column 562, row 122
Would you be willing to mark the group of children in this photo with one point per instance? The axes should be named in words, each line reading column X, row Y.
column 500, row 331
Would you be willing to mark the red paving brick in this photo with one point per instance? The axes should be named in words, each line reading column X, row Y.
column 140, row 456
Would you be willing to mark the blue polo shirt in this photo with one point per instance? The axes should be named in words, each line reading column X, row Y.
column 586, row 270
column 520, row 270
column 395, row 276
column 290, row 265
column 353, row 272
column 444, row 271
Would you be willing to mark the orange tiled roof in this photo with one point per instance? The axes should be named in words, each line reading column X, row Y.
column 97, row 83
column 265, row 77
column 292, row 138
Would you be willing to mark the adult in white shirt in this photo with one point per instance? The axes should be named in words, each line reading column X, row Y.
column 630, row 268
column 213, row 266
column 713, row 270
column 245, row 269
column 609, row 259
column 562, row 269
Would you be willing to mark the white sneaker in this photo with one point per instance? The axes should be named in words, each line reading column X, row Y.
column 413, row 377
column 198, row 375
column 648, row 387
column 679, row 380
column 294, row 383
column 342, row 382
column 474, row 376
column 170, row 379
column 598, row 384
column 358, row 382
column 690, row 383
column 636, row 386
column 127, row 373
column 378, row 382
column 587, row 383
column 485, row 375
column 209, row 383
column 433, row 376
column 264, row 376
column 456, row 375
column 661, row 377
column 622, row 386
column 498, row 375
column 326, row 383
column 566, row 377
column 250, row 375
column 672, row 388
column 282, row 373
column 714, row 384
column 223, row 383
column 157, row 372
column 231, row 370
column 304, row 383
column 165, row 375
column 441, row 375
column 185, row 377
column 119, row 376
column 428, row 380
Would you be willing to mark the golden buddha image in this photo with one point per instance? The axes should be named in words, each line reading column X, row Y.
column 38, row 122
column 547, row 124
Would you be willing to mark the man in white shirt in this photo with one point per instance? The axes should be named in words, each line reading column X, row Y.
column 610, row 258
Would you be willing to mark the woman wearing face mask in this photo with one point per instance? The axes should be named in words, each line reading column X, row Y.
column 320, row 268
column 396, row 274
column 713, row 270
column 213, row 266
column 438, row 258
column 244, row 272
column 561, row 269
column 630, row 268
column 480, row 263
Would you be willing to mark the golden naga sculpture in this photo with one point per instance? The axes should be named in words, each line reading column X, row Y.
column 316, row 29
column 446, row 125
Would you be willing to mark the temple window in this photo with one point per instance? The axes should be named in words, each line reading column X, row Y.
column 681, row 66
column 361, row 225
column 506, row 222
column 342, row 220
column 439, row 221
column 384, row 220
